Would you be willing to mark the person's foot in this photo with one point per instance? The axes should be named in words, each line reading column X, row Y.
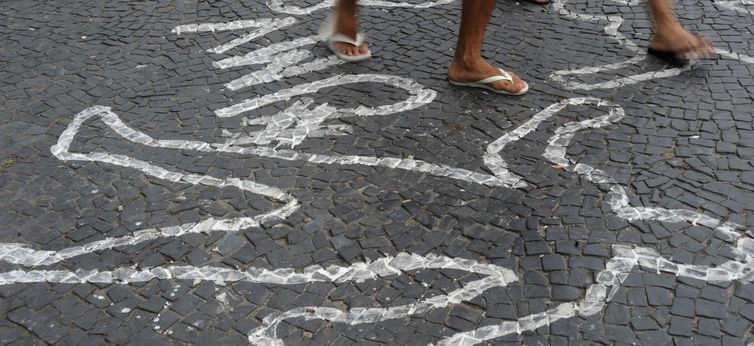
column 346, row 24
column 473, row 70
column 673, row 38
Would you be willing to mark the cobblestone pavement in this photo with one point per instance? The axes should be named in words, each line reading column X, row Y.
column 205, row 172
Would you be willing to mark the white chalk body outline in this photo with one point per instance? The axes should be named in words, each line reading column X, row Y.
column 617, row 268
column 286, row 55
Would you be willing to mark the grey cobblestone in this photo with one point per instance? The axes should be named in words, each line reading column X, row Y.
column 685, row 144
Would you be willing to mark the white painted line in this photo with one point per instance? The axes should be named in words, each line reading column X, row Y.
column 263, row 27
column 282, row 67
column 356, row 272
column 559, row 76
column 495, row 276
column 264, row 54
column 607, row 282
column 275, row 25
column 495, row 162
column 21, row 254
column 417, row 95
column 213, row 27
column 280, row 6
column 619, row 202
column 611, row 29
column 735, row 56
column 616, row 270
column 738, row 5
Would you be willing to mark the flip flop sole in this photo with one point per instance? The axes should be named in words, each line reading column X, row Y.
column 668, row 57
column 490, row 88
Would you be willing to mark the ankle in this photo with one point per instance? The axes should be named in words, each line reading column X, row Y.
column 347, row 26
column 467, row 62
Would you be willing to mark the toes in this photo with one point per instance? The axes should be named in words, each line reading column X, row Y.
column 344, row 48
column 510, row 86
column 701, row 49
column 363, row 49
column 350, row 50
column 708, row 49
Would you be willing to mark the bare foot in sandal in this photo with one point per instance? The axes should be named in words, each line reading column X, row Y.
column 671, row 42
column 346, row 24
column 476, row 72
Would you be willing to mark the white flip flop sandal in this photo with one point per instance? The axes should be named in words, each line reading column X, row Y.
column 487, row 84
column 340, row 38
column 330, row 37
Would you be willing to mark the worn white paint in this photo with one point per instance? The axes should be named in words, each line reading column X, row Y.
column 495, row 162
column 282, row 59
column 283, row 66
column 616, row 269
column 111, row 119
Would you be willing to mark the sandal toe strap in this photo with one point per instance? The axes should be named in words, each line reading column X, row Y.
column 360, row 38
column 503, row 76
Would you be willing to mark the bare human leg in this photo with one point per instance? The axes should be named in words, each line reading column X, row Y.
column 346, row 23
column 670, row 37
column 468, row 64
